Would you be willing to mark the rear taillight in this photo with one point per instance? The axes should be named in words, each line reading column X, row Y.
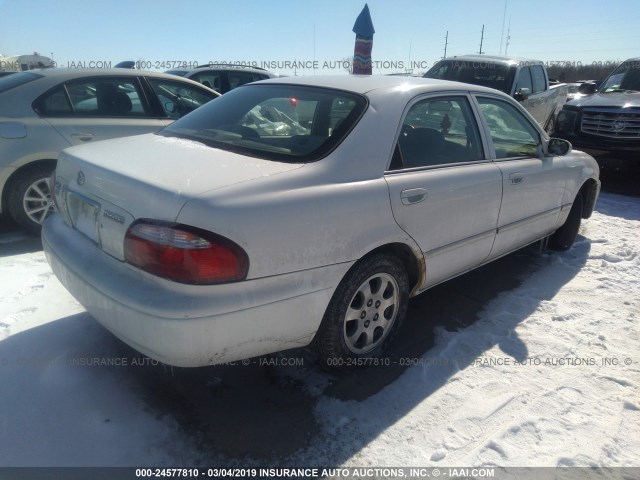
column 184, row 254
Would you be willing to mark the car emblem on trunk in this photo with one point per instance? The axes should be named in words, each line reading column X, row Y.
column 80, row 178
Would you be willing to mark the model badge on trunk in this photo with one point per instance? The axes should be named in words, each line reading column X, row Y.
column 80, row 178
column 113, row 216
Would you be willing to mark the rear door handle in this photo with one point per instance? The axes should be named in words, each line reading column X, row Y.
column 413, row 195
column 516, row 178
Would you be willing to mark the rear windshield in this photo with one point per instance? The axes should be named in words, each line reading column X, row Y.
column 277, row 122
column 487, row 74
column 15, row 80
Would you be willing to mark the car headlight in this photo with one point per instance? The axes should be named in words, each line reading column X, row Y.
column 566, row 120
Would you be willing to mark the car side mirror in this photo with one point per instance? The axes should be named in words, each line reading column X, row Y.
column 559, row 147
column 522, row 94
column 588, row 88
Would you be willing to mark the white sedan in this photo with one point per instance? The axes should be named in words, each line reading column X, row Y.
column 305, row 210
column 44, row 111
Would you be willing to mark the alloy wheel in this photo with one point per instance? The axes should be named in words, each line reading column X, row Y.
column 371, row 313
column 38, row 201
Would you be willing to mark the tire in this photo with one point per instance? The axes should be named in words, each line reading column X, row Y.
column 566, row 235
column 365, row 312
column 30, row 200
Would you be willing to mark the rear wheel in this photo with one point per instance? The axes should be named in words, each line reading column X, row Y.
column 566, row 235
column 30, row 198
column 365, row 312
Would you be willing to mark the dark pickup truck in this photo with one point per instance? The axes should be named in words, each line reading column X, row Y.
column 525, row 80
column 606, row 123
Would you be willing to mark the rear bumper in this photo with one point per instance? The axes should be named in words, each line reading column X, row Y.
column 190, row 325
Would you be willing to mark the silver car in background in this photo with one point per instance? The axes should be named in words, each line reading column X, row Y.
column 306, row 210
column 45, row 111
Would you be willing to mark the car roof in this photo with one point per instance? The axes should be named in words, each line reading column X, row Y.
column 53, row 76
column 364, row 84
column 218, row 67
column 495, row 59
column 71, row 73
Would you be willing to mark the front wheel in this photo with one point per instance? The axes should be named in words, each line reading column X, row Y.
column 364, row 313
column 30, row 199
column 566, row 235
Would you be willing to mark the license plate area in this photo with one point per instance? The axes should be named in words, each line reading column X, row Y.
column 83, row 213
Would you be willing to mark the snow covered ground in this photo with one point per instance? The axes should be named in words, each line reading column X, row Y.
column 531, row 361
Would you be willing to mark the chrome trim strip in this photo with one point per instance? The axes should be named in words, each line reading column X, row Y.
column 511, row 226
column 459, row 243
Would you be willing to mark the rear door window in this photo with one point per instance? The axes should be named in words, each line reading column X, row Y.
column 55, row 102
column 239, row 78
column 179, row 98
column 210, row 79
column 439, row 131
column 95, row 97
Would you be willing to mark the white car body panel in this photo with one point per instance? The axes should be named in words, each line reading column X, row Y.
column 78, row 131
column 187, row 327
column 531, row 201
column 302, row 225
column 469, row 193
column 159, row 193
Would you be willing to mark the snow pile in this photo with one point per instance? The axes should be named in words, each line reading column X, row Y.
column 547, row 376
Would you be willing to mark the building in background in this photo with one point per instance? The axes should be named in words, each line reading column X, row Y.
column 21, row 63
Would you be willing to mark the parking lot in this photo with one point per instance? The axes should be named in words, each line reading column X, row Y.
column 90, row 400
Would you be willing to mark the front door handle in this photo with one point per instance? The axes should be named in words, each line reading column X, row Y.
column 413, row 195
column 516, row 178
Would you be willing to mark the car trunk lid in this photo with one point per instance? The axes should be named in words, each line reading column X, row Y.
column 102, row 188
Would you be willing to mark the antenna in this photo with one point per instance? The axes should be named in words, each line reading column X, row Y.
column 446, row 42
column 481, row 40
column 508, row 36
column 504, row 17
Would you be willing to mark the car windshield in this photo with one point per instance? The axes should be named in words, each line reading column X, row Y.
column 625, row 78
column 12, row 81
column 275, row 122
column 487, row 74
